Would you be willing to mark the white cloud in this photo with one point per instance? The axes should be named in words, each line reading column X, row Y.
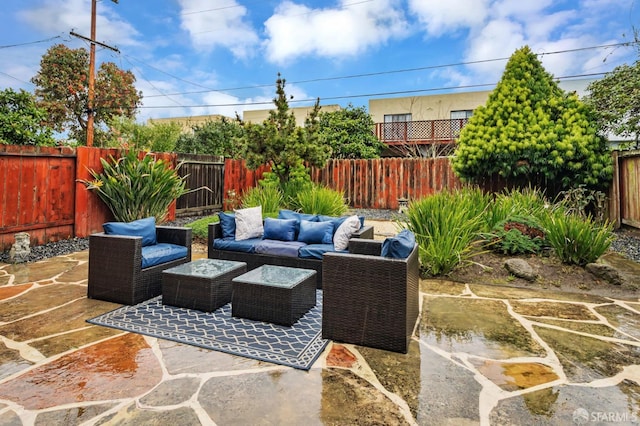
column 441, row 17
column 296, row 30
column 55, row 17
column 496, row 28
column 496, row 39
column 216, row 23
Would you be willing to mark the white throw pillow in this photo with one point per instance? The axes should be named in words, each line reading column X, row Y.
column 345, row 231
column 249, row 223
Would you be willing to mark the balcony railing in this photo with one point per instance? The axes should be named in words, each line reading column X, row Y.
column 423, row 132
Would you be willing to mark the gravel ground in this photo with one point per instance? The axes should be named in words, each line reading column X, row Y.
column 627, row 241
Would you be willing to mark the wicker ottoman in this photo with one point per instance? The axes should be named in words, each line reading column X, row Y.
column 275, row 294
column 203, row 284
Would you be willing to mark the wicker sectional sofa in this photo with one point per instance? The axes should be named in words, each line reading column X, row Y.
column 254, row 260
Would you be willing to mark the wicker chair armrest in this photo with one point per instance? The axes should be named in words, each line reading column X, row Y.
column 364, row 232
column 365, row 246
column 123, row 250
column 181, row 236
column 214, row 230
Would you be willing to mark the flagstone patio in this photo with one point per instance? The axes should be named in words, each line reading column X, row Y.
column 481, row 354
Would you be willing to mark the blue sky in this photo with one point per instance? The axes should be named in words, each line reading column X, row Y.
column 197, row 57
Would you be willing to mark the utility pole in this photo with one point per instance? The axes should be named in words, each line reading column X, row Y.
column 92, row 69
column 92, row 77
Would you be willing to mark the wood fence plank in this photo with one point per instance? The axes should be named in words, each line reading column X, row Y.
column 4, row 190
column 13, row 186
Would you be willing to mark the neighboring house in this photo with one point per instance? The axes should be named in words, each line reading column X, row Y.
column 187, row 123
column 257, row 116
column 420, row 126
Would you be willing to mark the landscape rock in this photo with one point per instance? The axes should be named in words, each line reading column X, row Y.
column 520, row 268
column 606, row 272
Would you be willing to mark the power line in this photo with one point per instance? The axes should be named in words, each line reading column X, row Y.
column 29, row 42
column 373, row 74
column 16, row 78
column 364, row 95
column 151, row 84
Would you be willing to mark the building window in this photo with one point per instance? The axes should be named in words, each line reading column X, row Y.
column 458, row 120
column 465, row 113
column 396, row 127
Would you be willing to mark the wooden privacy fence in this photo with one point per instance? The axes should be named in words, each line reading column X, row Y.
column 37, row 194
column 375, row 184
column 205, row 181
column 624, row 197
column 41, row 192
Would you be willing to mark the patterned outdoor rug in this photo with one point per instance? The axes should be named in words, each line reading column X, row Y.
column 297, row 346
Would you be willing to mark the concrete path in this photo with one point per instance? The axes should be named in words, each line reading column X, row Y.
column 480, row 355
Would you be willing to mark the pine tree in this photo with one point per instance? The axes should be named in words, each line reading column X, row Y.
column 531, row 132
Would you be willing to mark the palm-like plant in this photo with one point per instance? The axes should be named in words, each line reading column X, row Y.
column 136, row 188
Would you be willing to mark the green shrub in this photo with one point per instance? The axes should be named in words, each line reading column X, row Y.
column 515, row 202
column 136, row 188
column 584, row 202
column 517, row 235
column 321, row 200
column 267, row 196
column 201, row 226
column 445, row 225
column 577, row 240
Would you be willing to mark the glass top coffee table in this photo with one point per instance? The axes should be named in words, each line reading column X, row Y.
column 203, row 284
column 276, row 294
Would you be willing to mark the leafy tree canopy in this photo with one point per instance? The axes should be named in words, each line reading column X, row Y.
column 156, row 137
column 278, row 141
column 22, row 121
column 349, row 133
column 530, row 131
column 62, row 89
column 616, row 100
column 215, row 137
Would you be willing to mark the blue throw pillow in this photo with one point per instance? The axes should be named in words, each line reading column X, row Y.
column 290, row 214
column 228, row 224
column 316, row 232
column 280, row 229
column 400, row 246
column 337, row 221
column 145, row 228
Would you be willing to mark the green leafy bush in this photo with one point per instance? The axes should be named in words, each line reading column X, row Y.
column 583, row 202
column 577, row 240
column 321, row 200
column 445, row 225
column 201, row 226
column 268, row 196
column 517, row 235
column 136, row 188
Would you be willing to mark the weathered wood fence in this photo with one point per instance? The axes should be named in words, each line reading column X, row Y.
column 374, row 184
column 624, row 197
column 204, row 176
column 40, row 191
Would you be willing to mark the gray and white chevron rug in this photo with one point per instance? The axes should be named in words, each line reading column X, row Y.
column 297, row 346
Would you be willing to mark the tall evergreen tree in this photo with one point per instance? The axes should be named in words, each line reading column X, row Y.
column 279, row 142
column 531, row 132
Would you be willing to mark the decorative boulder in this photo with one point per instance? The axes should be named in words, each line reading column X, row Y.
column 520, row 268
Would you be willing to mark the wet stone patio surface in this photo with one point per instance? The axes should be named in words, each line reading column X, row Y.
column 480, row 355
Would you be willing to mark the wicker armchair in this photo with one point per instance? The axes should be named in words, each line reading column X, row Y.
column 115, row 266
column 370, row 300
